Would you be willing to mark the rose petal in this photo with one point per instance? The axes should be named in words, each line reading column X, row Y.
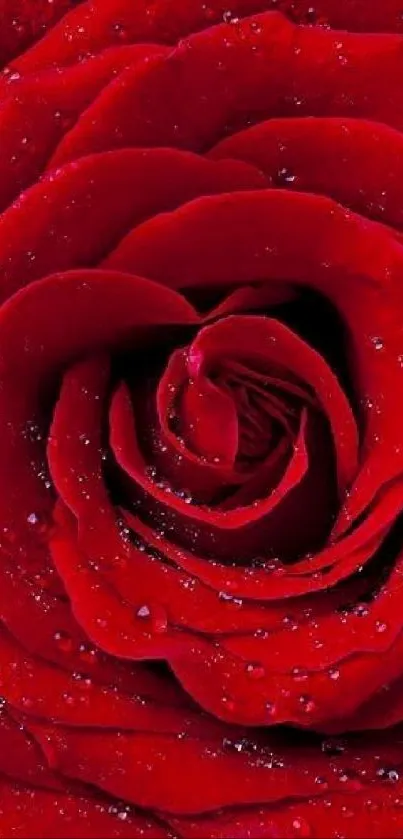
column 220, row 80
column 260, row 771
column 37, row 111
column 22, row 22
column 75, row 216
column 41, row 814
column 97, row 24
column 356, row 162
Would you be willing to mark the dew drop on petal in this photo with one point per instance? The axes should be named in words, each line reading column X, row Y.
column 350, row 780
column 299, row 674
column 377, row 342
column 159, row 621
column 284, row 176
column 228, row 703
column 302, row 828
column 361, row 610
column 386, row 773
column 255, row 671
column 307, row 704
column 334, row 674
column 333, row 746
column 271, row 709
column 321, row 782
column 82, row 681
column 290, row 623
column 87, row 653
column 371, row 805
column 229, row 17
column 63, row 641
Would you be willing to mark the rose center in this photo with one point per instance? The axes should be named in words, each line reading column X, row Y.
column 267, row 406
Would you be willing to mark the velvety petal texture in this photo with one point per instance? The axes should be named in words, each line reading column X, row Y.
column 201, row 446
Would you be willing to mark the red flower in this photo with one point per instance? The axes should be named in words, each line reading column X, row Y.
column 201, row 386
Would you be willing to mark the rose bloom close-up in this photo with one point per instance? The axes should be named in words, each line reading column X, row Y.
column 201, row 419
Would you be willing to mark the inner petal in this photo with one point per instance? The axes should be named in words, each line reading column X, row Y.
column 265, row 412
column 266, row 351
column 209, row 420
column 249, row 403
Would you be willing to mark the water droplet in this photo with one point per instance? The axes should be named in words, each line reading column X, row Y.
column 333, row 747
column 87, row 654
column 235, row 745
column 350, row 780
column 361, row 610
column 150, row 472
column 334, row 674
column 63, row 641
column 255, row 671
column 290, row 623
column 156, row 615
column 302, row 828
column 284, row 176
column 377, row 342
column 185, row 495
column 224, row 595
column 307, row 703
column 159, row 621
column 311, row 15
column 83, row 681
column 102, row 623
column 388, row 774
column 32, row 518
column 271, row 709
column 229, row 18
column 299, row 674
column 368, row 402
column 228, row 703
column 121, row 31
column 380, row 626
column 321, row 782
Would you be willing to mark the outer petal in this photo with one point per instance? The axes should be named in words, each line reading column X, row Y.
column 221, row 80
column 40, row 814
column 122, row 303
column 37, row 111
column 97, row 24
column 354, row 161
column 74, row 217
column 23, row 22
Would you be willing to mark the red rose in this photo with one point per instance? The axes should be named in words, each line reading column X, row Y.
column 201, row 386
